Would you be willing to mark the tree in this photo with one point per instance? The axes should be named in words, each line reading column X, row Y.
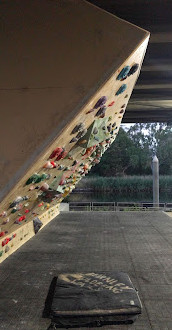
column 155, row 139
column 132, row 151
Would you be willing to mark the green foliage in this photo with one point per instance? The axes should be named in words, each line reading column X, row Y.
column 132, row 151
column 124, row 184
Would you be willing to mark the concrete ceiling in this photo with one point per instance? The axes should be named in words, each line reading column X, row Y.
column 151, row 100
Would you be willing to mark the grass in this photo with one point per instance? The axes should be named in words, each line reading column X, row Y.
column 124, row 184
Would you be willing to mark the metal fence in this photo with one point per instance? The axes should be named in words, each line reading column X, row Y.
column 118, row 206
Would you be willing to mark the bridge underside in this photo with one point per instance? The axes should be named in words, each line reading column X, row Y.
column 151, row 100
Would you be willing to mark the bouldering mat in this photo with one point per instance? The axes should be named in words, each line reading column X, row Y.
column 93, row 299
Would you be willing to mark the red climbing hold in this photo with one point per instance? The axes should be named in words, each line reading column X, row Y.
column 56, row 152
column 27, row 211
column 62, row 155
column 53, row 164
column 110, row 104
column 6, row 240
column 2, row 233
column 23, row 217
column 40, row 204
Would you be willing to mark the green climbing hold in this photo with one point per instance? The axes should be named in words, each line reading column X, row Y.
column 32, row 179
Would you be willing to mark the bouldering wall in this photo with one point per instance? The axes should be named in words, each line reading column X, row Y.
column 68, row 71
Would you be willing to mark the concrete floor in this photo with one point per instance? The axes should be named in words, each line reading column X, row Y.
column 139, row 243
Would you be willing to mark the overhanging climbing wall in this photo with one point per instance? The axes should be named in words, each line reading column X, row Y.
column 68, row 70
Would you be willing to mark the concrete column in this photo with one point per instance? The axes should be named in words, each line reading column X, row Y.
column 155, row 170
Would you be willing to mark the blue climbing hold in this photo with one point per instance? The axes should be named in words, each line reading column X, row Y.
column 121, row 89
column 124, row 72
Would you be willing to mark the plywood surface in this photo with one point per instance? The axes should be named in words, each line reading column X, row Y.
column 79, row 113
column 56, row 54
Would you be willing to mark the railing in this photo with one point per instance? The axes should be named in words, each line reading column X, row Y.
column 118, row 206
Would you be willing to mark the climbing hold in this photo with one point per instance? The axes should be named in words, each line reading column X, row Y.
column 114, row 124
column 122, row 110
column 101, row 111
column 110, row 118
column 3, row 214
column 2, row 233
column 27, row 211
column 62, row 155
column 40, row 204
column 44, row 186
column 109, row 128
column 23, row 217
column 75, row 163
column 48, row 165
column 123, row 106
column 17, row 200
column 32, row 179
column 126, row 96
column 86, row 166
column 6, row 221
column 78, row 128
column 14, row 210
column 110, row 104
column 7, row 249
column 53, row 164
column 82, row 142
column 81, row 134
column 31, row 188
column 42, row 177
column 61, row 167
column 62, row 182
column 5, row 241
column 73, row 140
column 100, row 102
column 133, row 69
column 95, row 130
column 89, row 111
column 124, row 72
column 56, row 152
column 67, row 168
column 1, row 253
column 121, row 89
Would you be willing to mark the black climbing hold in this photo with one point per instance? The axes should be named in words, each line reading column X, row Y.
column 133, row 69
column 114, row 124
column 101, row 111
column 81, row 134
column 75, row 163
column 109, row 128
column 78, row 128
column 73, row 140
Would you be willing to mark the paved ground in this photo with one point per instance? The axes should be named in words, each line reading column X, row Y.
column 139, row 243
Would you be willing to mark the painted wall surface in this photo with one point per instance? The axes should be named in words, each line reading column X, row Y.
column 68, row 70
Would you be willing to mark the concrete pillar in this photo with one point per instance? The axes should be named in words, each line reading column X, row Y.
column 155, row 170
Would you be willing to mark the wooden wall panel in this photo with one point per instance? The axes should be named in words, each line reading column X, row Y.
column 86, row 79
